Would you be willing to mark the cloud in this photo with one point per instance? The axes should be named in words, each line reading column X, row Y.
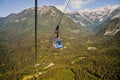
column 62, row 8
column 77, row 4
column 74, row 4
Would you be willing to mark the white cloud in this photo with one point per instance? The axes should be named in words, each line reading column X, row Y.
column 74, row 4
column 77, row 4
column 62, row 7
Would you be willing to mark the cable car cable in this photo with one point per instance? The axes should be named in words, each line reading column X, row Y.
column 64, row 11
column 57, row 41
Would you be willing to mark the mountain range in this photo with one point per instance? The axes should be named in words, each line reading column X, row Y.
column 19, row 28
column 92, row 19
column 90, row 38
column 49, row 16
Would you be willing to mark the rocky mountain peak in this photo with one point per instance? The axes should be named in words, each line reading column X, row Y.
column 96, row 16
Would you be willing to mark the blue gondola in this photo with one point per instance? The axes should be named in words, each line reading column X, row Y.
column 58, row 43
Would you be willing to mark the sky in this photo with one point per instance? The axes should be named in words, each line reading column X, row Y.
column 15, row 6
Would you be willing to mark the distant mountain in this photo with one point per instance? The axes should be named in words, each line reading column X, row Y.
column 110, row 28
column 19, row 28
column 112, row 25
column 91, row 19
column 1, row 18
column 115, row 14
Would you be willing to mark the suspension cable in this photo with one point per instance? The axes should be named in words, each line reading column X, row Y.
column 64, row 11
column 57, row 28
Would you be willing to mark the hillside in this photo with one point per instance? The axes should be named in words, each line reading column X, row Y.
column 17, row 38
column 111, row 28
column 83, row 57
column 21, row 26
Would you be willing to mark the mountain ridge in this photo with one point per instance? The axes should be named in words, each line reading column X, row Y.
column 81, row 58
column 21, row 25
column 92, row 19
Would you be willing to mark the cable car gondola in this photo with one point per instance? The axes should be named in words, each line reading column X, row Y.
column 57, row 42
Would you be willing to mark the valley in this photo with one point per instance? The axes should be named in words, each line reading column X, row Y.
column 86, row 55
